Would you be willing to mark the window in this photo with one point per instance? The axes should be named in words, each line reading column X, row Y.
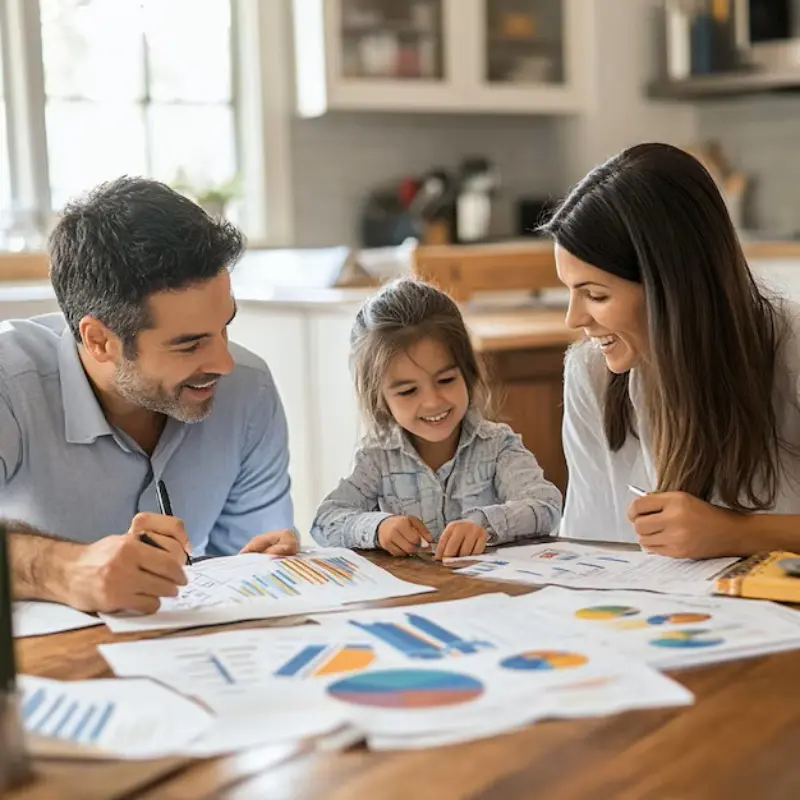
column 5, row 177
column 191, row 92
column 139, row 87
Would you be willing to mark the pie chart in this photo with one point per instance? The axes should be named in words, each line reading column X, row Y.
column 679, row 618
column 544, row 660
column 688, row 639
column 407, row 688
column 606, row 612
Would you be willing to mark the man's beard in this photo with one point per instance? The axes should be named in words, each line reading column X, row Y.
column 149, row 394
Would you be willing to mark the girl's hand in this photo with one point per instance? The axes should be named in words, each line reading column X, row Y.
column 402, row 536
column 462, row 538
column 679, row 525
column 275, row 543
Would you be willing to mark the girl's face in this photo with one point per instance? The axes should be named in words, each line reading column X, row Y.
column 425, row 392
column 610, row 309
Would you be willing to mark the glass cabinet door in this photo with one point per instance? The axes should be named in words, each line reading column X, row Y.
column 392, row 40
column 525, row 42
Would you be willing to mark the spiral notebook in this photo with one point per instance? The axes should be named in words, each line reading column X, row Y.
column 759, row 576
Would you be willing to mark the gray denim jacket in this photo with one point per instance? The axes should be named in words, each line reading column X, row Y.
column 492, row 480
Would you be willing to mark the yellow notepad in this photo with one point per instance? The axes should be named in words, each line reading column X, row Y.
column 760, row 577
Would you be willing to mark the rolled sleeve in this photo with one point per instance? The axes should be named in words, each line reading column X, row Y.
column 529, row 504
column 260, row 499
column 349, row 516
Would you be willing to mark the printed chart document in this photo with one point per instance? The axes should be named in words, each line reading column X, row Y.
column 127, row 719
column 34, row 618
column 435, row 673
column 671, row 631
column 257, row 586
column 221, row 668
column 588, row 567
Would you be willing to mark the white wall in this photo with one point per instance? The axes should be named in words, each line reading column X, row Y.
column 623, row 57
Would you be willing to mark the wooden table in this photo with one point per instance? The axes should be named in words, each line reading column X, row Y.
column 741, row 739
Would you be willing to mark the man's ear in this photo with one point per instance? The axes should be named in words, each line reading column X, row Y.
column 98, row 341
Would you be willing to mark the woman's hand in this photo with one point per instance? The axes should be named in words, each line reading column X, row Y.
column 679, row 525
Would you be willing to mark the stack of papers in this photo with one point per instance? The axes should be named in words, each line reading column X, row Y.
column 402, row 677
column 257, row 586
column 587, row 567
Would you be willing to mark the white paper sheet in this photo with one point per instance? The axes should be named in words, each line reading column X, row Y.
column 130, row 719
column 257, row 586
column 589, row 567
column 233, row 664
column 34, row 618
column 669, row 631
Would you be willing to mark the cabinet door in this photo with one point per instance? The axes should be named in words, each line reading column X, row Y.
column 530, row 55
column 529, row 384
column 379, row 55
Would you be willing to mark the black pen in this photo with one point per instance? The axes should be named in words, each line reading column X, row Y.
column 165, row 508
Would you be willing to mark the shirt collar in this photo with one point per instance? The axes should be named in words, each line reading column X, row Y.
column 472, row 425
column 84, row 420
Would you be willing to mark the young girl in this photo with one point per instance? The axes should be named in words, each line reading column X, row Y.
column 431, row 471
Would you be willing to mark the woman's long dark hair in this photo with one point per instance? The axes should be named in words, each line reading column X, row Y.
column 654, row 214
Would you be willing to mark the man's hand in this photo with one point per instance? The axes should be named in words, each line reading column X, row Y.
column 167, row 532
column 679, row 525
column 275, row 543
column 122, row 573
column 402, row 536
column 461, row 538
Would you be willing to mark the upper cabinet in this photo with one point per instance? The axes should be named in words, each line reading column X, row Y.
column 512, row 56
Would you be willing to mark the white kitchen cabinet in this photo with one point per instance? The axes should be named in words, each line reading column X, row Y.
column 306, row 348
column 481, row 56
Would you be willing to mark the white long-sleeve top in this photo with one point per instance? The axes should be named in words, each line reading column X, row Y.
column 597, row 493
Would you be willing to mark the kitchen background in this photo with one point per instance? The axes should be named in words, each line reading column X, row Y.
column 358, row 139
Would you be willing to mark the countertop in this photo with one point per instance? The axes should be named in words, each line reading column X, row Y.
column 519, row 329
column 520, row 325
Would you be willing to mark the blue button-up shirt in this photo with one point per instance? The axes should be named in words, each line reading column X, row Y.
column 492, row 480
column 65, row 470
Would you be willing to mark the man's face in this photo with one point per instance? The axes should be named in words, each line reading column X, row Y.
column 180, row 359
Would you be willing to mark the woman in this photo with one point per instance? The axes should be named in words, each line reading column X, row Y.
column 688, row 385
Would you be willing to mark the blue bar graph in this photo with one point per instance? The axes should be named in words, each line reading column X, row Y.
column 296, row 664
column 54, row 713
column 422, row 638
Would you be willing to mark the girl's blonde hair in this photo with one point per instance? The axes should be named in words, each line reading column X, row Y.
column 397, row 317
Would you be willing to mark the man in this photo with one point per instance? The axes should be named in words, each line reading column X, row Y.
column 136, row 383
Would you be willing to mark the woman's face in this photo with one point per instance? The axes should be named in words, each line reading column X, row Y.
column 610, row 310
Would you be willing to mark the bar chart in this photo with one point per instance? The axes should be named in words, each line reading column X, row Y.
column 422, row 638
column 289, row 577
column 318, row 660
column 54, row 713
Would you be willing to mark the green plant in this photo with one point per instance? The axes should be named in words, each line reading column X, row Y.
column 219, row 194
